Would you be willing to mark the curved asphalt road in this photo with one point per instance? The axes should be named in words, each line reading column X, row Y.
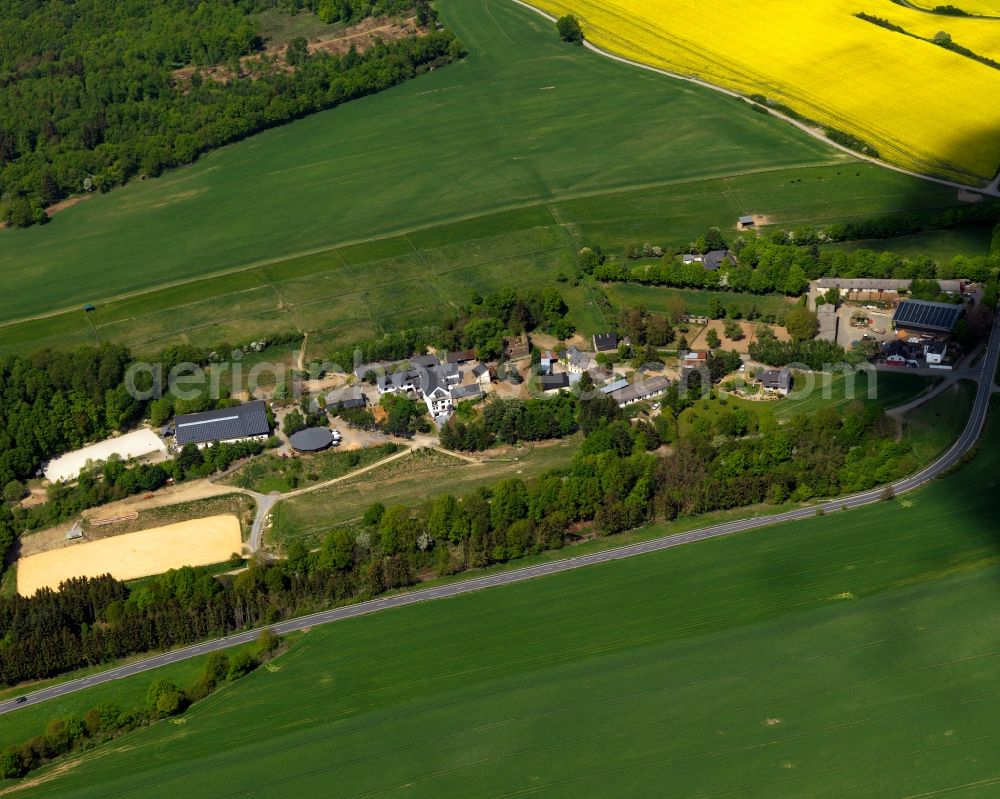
column 964, row 443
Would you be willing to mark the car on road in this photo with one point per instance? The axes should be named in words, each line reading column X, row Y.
column 20, row 700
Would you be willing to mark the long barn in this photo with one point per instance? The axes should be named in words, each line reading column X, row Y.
column 920, row 316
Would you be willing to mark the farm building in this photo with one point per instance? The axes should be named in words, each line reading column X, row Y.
column 694, row 360
column 136, row 444
column 611, row 388
column 423, row 362
column 312, row 439
column 777, row 380
column 421, row 380
column 461, row 357
column 343, row 398
column 935, row 352
column 547, row 362
column 481, row 373
column 605, row 342
column 242, row 423
column 516, row 347
column 439, row 403
column 829, row 322
column 716, row 259
column 462, row 393
column 637, row 392
column 555, row 382
column 578, row 361
column 745, row 222
column 926, row 318
column 850, row 284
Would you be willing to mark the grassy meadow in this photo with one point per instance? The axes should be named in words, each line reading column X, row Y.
column 409, row 481
column 836, row 391
column 941, row 245
column 849, row 654
column 379, row 214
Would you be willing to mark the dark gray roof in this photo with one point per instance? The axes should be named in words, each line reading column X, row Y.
column 425, row 361
column 480, row 370
column 224, row 424
column 553, row 382
column 349, row 397
column 935, row 317
column 937, row 347
column 312, row 439
column 776, row 379
column 605, row 342
column 466, row 392
column 713, row 260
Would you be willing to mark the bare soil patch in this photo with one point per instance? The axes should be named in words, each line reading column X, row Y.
column 272, row 57
column 177, row 507
column 196, row 542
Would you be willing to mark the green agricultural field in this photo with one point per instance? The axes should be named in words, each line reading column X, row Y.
column 129, row 692
column 941, row 245
column 410, row 481
column 851, row 654
column 484, row 141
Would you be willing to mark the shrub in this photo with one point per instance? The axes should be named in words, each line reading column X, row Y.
column 241, row 664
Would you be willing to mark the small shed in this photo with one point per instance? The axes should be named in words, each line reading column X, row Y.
column 747, row 221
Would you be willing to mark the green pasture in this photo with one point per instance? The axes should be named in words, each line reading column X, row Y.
column 814, row 391
column 941, row 245
column 487, row 172
column 850, row 654
column 660, row 299
column 269, row 473
column 409, row 481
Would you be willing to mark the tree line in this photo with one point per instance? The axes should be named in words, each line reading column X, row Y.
column 91, row 98
column 785, row 265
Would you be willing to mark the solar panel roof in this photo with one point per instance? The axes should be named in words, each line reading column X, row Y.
column 933, row 316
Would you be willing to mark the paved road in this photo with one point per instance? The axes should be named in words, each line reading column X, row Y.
column 965, row 442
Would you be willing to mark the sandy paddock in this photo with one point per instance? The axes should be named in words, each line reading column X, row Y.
column 193, row 543
column 136, row 444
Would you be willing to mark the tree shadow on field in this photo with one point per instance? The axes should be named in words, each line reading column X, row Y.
column 960, row 509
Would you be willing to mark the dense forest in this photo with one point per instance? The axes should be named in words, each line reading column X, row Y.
column 91, row 98
column 615, row 482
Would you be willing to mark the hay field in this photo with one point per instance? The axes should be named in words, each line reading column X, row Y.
column 193, row 543
column 920, row 105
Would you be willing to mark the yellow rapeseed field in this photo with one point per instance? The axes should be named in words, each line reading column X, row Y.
column 921, row 106
column 982, row 7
